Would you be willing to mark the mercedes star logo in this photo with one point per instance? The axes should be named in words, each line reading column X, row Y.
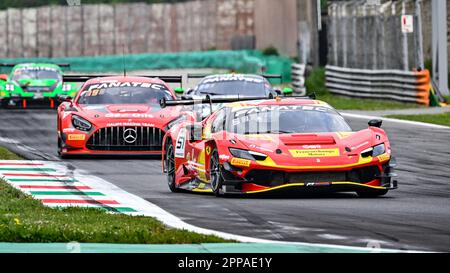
column 129, row 135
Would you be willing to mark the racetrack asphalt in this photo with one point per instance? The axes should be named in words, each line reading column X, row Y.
column 414, row 217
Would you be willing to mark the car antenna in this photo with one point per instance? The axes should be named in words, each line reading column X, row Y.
column 123, row 60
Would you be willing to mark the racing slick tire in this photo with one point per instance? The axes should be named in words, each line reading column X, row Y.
column 170, row 165
column 372, row 193
column 216, row 173
column 60, row 154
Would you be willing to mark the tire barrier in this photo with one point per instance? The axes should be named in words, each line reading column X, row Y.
column 298, row 78
column 404, row 86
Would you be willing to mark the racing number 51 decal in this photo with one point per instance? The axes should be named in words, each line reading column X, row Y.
column 181, row 143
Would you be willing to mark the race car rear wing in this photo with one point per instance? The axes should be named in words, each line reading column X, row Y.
column 224, row 99
column 267, row 76
column 14, row 64
column 84, row 78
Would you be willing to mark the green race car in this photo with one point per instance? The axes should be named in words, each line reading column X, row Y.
column 34, row 83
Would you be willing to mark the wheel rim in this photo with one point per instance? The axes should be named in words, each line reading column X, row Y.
column 215, row 171
column 170, row 163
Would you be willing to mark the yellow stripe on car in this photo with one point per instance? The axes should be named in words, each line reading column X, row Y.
column 331, row 184
column 268, row 162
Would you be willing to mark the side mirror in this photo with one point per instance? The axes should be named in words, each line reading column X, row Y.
column 179, row 90
column 195, row 131
column 189, row 91
column 375, row 123
column 288, row 91
column 3, row 77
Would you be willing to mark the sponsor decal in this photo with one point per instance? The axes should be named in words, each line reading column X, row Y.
column 240, row 162
column 317, row 184
column 131, row 124
column 260, row 109
column 232, row 77
column 68, row 130
column 383, row 157
column 224, row 157
column 181, row 143
column 111, row 84
column 315, row 153
column 208, row 150
column 128, row 115
column 34, row 68
column 76, row 137
column 311, row 146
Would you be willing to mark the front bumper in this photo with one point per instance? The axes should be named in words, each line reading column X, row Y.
column 380, row 176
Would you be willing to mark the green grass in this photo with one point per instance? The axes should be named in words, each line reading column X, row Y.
column 7, row 155
column 24, row 219
column 440, row 119
column 316, row 83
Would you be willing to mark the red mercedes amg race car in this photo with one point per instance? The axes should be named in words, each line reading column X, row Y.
column 115, row 115
column 281, row 144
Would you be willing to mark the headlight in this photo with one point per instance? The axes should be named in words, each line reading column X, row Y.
column 378, row 150
column 81, row 124
column 251, row 155
column 374, row 151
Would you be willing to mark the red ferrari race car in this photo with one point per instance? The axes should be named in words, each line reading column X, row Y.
column 281, row 144
column 115, row 115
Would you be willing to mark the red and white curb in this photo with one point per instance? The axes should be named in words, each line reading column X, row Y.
column 56, row 185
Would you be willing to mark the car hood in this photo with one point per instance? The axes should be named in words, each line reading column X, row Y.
column 312, row 149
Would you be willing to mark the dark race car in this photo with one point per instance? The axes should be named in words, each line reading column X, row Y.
column 233, row 85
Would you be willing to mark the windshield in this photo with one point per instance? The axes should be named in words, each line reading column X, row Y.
column 36, row 73
column 229, row 85
column 124, row 93
column 287, row 119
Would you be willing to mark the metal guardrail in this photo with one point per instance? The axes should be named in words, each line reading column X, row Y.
column 404, row 86
column 298, row 78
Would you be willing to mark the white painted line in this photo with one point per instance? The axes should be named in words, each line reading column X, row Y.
column 408, row 122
